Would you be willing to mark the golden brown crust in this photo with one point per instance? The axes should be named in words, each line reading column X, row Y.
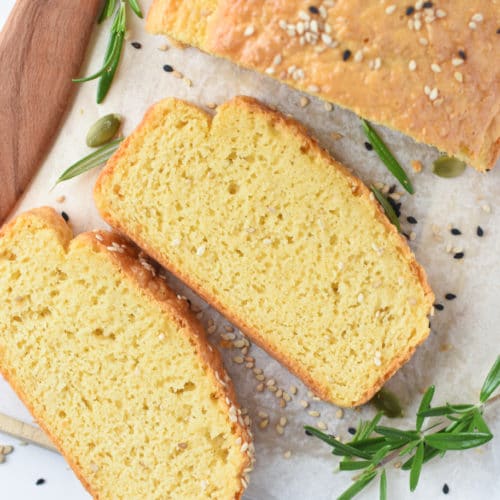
column 131, row 263
column 392, row 58
column 358, row 188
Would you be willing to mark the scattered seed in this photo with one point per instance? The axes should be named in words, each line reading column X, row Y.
column 479, row 231
column 238, row 360
column 322, row 426
column 455, row 231
column 249, row 31
column 136, row 45
column 40, row 481
column 283, row 421
column 351, row 430
column 280, row 430
column 314, row 413
column 304, row 403
column 264, row 423
column 450, row 296
column 368, row 146
column 65, row 216
column 339, row 413
column 168, row 68
column 411, row 220
column 459, row 255
column 438, row 307
column 446, row 489
column 293, row 390
column 287, row 454
column 346, row 55
column 61, row 199
column 304, row 101
column 336, row 136
column 260, row 387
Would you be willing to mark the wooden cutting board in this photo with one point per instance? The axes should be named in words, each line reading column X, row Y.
column 42, row 47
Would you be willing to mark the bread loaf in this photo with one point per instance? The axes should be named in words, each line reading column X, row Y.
column 259, row 220
column 423, row 68
column 114, row 368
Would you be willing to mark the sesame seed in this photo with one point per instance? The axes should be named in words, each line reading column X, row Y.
column 314, row 413
column 417, row 24
column 339, row 413
column 293, row 390
column 270, row 70
column 457, row 61
column 136, row 45
column 249, row 31
column 280, row 430
column 438, row 307
column 423, row 41
column 260, row 377
column 260, row 387
column 440, row 13
column 458, row 76
column 200, row 250
column 328, row 106
column 313, row 88
column 321, row 425
column 486, row 208
column 455, row 231
column 304, row 101
column 433, row 94
column 264, row 423
column 479, row 231
column 177, row 74
column 346, row 54
column 411, row 219
column 351, row 430
column 65, row 216
column 472, row 25
column 410, row 10
column 283, row 421
column 168, row 68
column 427, row 5
column 450, row 296
column 61, row 199
column 358, row 56
column 459, row 255
column 446, row 489
column 304, row 403
column 377, row 361
column 412, row 65
column 436, row 68
column 287, row 454
column 368, row 146
column 477, row 17
column 377, row 63
column 390, row 9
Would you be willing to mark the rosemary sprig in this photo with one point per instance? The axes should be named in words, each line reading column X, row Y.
column 94, row 159
column 387, row 157
column 389, row 211
column 114, row 49
column 374, row 446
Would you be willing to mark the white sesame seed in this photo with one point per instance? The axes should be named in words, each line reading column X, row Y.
column 283, row 421
column 176, row 242
column 264, row 423
column 457, row 61
column 293, row 389
column 238, row 360
column 161, row 336
column 270, row 70
column 339, row 413
column 361, row 297
column 280, row 429
column 321, row 425
column 313, row 88
column 249, row 31
column 417, row 24
column 412, row 65
column 314, row 413
column 304, row 403
column 377, row 63
column 436, row 68
column 260, row 387
column 413, row 236
column 472, row 25
column 260, row 377
column 427, row 90
column 486, row 208
column 304, row 15
column 277, row 60
column 263, row 414
column 434, row 94
column 282, row 24
column 419, row 4
column 304, row 101
column 98, row 237
column 323, row 12
column 358, row 56
column 423, row 41
column 377, row 361
column 440, row 13
column 390, row 9
column 477, row 17
column 458, row 76
column 314, row 26
column 271, row 382
column 287, row 454
column 326, row 38
column 328, row 106
column 244, row 447
column 200, row 250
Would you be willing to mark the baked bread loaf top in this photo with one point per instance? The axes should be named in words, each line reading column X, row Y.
column 114, row 367
column 428, row 72
column 262, row 223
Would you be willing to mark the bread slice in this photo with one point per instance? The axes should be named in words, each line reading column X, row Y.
column 426, row 72
column 114, row 368
column 262, row 223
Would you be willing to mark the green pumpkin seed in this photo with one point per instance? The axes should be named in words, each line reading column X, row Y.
column 448, row 166
column 103, row 130
column 387, row 402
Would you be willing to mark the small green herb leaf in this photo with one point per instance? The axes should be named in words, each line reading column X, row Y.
column 491, row 382
column 387, row 157
column 448, row 167
column 388, row 403
column 354, row 464
column 107, row 10
column 358, row 486
column 135, row 7
column 389, row 211
column 383, row 486
column 366, row 428
column 459, row 441
column 479, row 423
column 437, row 411
column 416, row 466
column 90, row 161
column 337, row 445
column 424, row 406
column 392, row 433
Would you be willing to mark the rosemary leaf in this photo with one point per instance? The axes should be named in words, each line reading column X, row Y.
column 135, row 7
column 94, row 159
column 392, row 433
column 479, row 423
column 492, row 382
column 354, row 464
column 458, row 441
column 366, row 428
column 424, row 406
column 107, row 10
column 437, row 411
column 389, row 211
column 416, row 467
column 358, row 486
column 387, row 157
column 383, row 486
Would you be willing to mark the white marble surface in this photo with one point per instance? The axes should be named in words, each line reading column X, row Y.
column 465, row 338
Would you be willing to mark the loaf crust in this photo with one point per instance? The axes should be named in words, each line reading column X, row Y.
column 372, row 60
column 131, row 264
column 103, row 201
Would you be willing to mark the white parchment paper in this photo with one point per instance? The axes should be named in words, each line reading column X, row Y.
column 465, row 335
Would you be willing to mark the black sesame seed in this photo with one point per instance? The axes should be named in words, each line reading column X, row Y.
column 410, row 10
column 446, row 489
column 411, row 219
column 168, row 68
column 313, row 9
column 40, row 481
column 308, row 433
column 65, row 216
column 346, row 54
column 479, row 231
column 136, row 45
column 368, row 146
column 462, row 54
column 498, row 31
column 455, row 231
column 427, row 5
column 450, row 296
column 459, row 255
column 395, row 206
column 351, row 430
column 392, row 189
column 439, row 307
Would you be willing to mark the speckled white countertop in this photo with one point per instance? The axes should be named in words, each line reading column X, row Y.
column 465, row 335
